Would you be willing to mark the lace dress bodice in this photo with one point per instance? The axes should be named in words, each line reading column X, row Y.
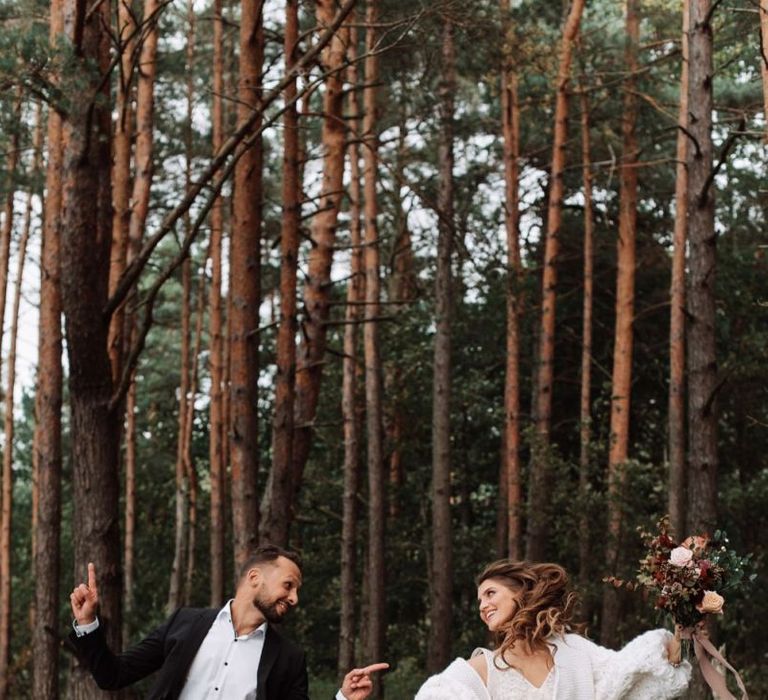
column 506, row 683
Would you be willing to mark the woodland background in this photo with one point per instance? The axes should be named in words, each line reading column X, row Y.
column 407, row 286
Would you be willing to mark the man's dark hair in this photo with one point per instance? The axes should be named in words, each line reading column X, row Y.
column 268, row 553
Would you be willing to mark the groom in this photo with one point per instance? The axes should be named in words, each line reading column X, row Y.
column 234, row 653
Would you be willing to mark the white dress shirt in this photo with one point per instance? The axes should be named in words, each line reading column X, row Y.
column 225, row 665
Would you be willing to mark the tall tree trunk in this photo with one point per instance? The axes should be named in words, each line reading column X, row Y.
column 538, row 501
column 145, row 111
column 86, row 232
column 317, row 291
column 48, row 400
column 117, row 341
column 621, row 382
column 123, row 330
column 349, row 389
column 701, row 353
column 216, row 411
column 371, row 350
column 585, row 398
column 178, row 568
column 676, row 506
column 510, row 127
column 245, row 288
column 764, row 56
column 401, row 290
column 129, row 535
column 440, row 614
column 6, row 515
column 6, row 233
column 189, row 461
column 182, row 485
column 121, row 175
column 277, row 499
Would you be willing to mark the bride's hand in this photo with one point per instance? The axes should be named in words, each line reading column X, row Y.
column 673, row 647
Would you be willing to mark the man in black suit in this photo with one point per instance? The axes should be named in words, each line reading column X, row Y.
column 234, row 653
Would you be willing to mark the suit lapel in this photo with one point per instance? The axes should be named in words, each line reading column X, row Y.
column 269, row 655
column 191, row 643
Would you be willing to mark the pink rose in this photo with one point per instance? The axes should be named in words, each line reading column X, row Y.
column 712, row 602
column 680, row 556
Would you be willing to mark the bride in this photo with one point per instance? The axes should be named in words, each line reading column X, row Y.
column 538, row 655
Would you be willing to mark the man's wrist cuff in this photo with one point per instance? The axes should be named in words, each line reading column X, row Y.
column 82, row 630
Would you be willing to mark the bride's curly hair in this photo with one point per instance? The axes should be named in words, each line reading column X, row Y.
column 545, row 609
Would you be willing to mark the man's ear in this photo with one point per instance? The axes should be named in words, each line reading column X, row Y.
column 254, row 576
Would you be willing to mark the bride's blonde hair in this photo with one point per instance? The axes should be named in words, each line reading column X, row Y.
column 545, row 603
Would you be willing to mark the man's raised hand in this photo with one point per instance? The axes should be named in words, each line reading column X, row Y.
column 357, row 683
column 85, row 599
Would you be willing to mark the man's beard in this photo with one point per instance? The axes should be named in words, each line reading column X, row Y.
column 271, row 609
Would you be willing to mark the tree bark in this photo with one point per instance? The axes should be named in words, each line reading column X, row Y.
column 6, row 515
column 129, row 536
column 401, row 290
column 217, row 434
column 145, row 111
column 181, row 542
column 48, row 401
column 189, row 461
column 439, row 641
column 317, row 291
column 121, row 175
column 621, row 382
column 764, row 56
column 585, row 397
column 371, row 351
column 86, row 233
column 538, row 488
column 349, row 388
column 245, row 288
column 277, row 499
column 122, row 329
column 701, row 351
column 510, row 127
column 6, row 232
column 181, row 521
column 676, row 503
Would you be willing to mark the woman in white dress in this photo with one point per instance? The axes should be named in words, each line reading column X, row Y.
column 540, row 656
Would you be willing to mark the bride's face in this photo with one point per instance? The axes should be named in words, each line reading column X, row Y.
column 498, row 603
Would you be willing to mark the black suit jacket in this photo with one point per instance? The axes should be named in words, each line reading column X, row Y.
column 170, row 649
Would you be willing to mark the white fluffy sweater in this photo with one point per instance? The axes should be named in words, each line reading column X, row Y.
column 585, row 671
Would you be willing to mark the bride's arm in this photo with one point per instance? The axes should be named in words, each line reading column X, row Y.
column 639, row 670
column 459, row 681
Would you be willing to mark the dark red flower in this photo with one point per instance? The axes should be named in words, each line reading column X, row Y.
column 705, row 570
column 666, row 541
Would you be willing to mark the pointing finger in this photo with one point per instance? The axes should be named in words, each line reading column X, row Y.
column 92, row 578
column 373, row 668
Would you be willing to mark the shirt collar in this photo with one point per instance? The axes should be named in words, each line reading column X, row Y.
column 225, row 616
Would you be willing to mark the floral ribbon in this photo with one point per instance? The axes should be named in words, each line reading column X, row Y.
column 701, row 647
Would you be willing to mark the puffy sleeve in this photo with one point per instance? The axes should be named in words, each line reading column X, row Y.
column 458, row 682
column 639, row 671
column 440, row 688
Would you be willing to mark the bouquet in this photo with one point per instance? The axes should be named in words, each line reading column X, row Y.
column 688, row 581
